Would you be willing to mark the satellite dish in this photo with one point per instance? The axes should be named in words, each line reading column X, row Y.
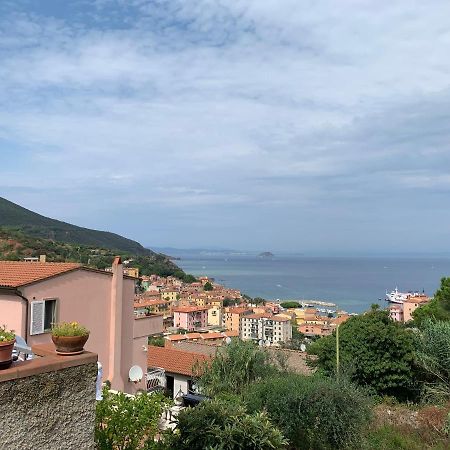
column 260, row 343
column 135, row 374
column 303, row 348
column 228, row 340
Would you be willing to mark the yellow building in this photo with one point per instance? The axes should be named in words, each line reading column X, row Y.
column 169, row 295
column 215, row 316
column 131, row 271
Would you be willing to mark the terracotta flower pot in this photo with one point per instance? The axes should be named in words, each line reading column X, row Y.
column 69, row 345
column 6, row 349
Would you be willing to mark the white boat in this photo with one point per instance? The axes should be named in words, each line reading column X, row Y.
column 399, row 297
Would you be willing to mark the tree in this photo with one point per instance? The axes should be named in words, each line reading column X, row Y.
column 219, row 424
column 208, row 286
column 127, row 423
column 259, row 301
column 232, row 370
column 438, row 308
column 311, row 411
column 375, row 352
column 288, row 305
column 433, row 356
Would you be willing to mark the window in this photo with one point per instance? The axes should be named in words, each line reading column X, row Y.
column 43, row 315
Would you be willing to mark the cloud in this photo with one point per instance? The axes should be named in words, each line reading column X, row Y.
column 243, row 111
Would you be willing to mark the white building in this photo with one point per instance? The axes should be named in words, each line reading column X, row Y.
column 266, row 328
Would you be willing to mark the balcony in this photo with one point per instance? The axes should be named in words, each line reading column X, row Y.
column 147, row 325
column 156, row 379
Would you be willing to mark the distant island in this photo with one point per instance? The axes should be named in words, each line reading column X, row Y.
column 266, row 255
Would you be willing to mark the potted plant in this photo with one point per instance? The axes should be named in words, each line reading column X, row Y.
column 7, row 339
column 69, row 338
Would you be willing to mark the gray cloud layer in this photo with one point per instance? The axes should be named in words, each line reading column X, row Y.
column 285, row 124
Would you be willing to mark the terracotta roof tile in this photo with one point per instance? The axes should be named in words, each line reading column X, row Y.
column 20, row 273
column 174, row 361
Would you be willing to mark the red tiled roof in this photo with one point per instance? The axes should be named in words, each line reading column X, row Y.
column 149, row 302
column 20, row 273
column 212, row 336
column 174, row 361
column 238, row 310
column 177, row 337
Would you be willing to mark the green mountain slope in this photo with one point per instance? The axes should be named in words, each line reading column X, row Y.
column 33, row 224
column 16, row 245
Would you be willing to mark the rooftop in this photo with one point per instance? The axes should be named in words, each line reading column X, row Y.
column 174, row 361
column 20, row 273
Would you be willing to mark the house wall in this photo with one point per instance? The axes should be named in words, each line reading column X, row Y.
column 85, row 297
column 179, row 382
column 12, row 313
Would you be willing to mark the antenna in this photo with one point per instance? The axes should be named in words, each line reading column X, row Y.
column 135, row 374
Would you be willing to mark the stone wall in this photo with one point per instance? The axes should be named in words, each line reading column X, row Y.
column 50, row 411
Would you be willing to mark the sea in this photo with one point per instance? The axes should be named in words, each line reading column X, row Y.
column 353, row 283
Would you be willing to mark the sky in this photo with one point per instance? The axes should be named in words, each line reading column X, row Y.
column 293, row 125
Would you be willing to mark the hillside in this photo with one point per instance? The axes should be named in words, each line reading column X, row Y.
column 33, row 224
column 15, row 245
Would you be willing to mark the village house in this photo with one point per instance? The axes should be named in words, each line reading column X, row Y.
column 232, row 317
column 190, row 317
column 35, row 295
column 313, row 330
column 266, row 329
column 144, row 306
column 215, row 316
column 179, row 368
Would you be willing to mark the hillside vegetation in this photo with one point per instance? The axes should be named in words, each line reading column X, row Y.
column 33, row 224
column 16, row 245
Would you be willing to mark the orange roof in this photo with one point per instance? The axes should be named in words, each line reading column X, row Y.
column 212, row 336
column 418, row 299
column 238, row 310
column 177, row 337
column 188, row 309
column 258, row 316
column 20, row 273
column 174, row 361
column 149, row 302
column 193, row 335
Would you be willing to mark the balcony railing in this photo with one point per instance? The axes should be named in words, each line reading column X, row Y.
column 156, row 379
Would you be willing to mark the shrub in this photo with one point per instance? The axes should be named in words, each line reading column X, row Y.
column 375, row 352
column 6, row 335
column 433, row 356
column 240, row 364
column 221, row 425
column 312, row 412
column 128, row 423
column 69, row 329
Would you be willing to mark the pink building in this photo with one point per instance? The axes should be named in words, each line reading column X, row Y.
column 396, row 312
column 190, row 317
column 33, row 295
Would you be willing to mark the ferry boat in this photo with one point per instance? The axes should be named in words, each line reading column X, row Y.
column 399, row 297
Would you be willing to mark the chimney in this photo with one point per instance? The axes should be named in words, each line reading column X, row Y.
column 42, row 258
column 115, row 326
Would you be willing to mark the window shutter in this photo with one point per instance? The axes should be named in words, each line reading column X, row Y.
column 37, row 317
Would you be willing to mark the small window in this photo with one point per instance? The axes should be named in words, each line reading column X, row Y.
column 49, row 314
column 43, row 315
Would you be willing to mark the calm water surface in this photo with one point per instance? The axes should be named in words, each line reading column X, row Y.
column 353, row 283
